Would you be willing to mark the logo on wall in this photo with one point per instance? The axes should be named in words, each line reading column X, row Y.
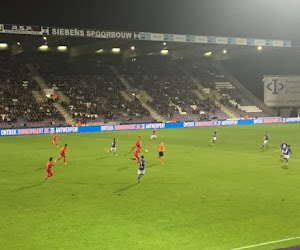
column 275, row 86
column 45, row 30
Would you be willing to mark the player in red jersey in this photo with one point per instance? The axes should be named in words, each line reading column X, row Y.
column 49, row 169
column 62, row 154
column 136, row 154
column 138, row 143
column 54, row 140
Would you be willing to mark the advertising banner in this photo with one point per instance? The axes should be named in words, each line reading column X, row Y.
column 147, row 36
column 23, row 29
column 138, row 126
column 282, row 91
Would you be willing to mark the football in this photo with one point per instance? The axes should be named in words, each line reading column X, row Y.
column 146, row 150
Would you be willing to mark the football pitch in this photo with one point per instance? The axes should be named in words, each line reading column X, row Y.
column 224, row 196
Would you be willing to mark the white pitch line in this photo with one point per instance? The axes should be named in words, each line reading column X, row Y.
column 266, row 243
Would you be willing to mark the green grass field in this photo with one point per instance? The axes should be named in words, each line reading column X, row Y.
column 229, row 195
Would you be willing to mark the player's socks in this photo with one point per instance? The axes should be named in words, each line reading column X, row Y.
column 139, row 179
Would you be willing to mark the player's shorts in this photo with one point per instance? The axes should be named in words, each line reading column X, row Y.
column 153, row 136
column 266, row 141
column 49, row 172
column 286, row 156
column 113, row 149
column 142, row 172
column 62, row 155
column 161, row 154
column 214, row 138
column 136, row 155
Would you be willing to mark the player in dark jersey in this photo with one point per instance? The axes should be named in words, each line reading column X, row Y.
column 214, row 137
column 266, row 140
column 153, row 136
column 141, row 170
column 113, row 147
column 283, row 146
column 286, row 153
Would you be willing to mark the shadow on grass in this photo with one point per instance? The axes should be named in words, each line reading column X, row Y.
column 125, row 188
column 41, row 168
column 150, row 165
column 285, row 167
column 27, row 187
column 123, row 168
column 72, row 182
column 101, row 158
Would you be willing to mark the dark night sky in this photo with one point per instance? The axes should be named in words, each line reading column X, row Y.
column 241, row 18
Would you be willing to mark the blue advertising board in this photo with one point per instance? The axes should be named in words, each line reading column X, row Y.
column 137, row 126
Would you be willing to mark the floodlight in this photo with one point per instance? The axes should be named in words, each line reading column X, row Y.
column 259, row 48
column 3, row 45
column 115, row 50
column 43, row 47
column 224, row 51
column 164, row 51
column 62, row 48
column 207, row 53
column 132, row 48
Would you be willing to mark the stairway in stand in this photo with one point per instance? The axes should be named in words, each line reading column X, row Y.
column 143, row 96
column 39, row 96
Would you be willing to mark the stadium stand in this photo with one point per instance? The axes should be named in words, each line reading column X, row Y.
column 147, row 89
column 171, row 91
column 94, row 96
column 18, row 107
column 223, row 91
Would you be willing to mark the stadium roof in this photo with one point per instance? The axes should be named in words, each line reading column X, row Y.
column 79, row 42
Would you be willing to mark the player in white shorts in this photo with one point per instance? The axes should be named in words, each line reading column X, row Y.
column 214, row 137
column 286, row 153
column 266, row 141
column 153, row 136
column 141, row 170
column 283, row 146
column 113, row 147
